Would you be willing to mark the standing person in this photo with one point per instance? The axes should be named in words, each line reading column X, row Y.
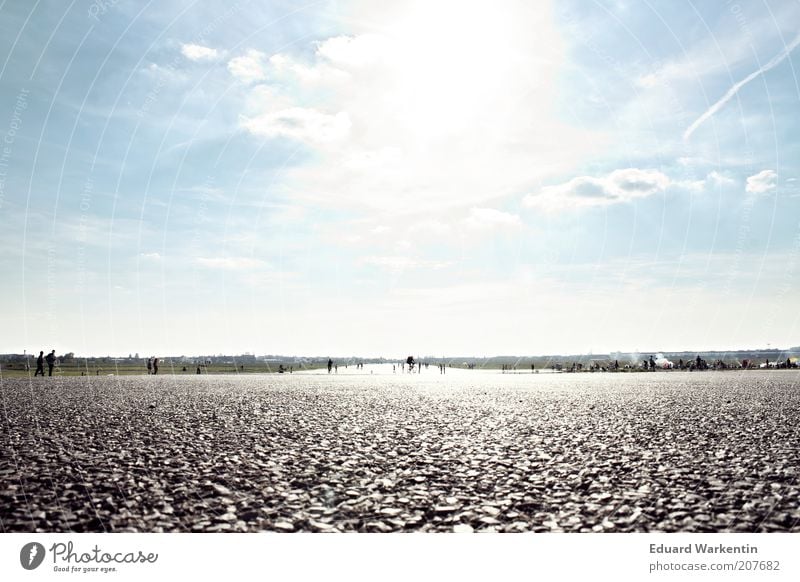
column 330, row 365
column 51, row 361
column 149, row 366
column 39, row 365
column 155, row 366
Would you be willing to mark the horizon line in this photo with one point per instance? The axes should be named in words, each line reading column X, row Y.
column 135, row 355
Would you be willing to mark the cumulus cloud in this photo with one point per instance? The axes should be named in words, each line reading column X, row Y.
column 249, row 67
column 712, row 179
column 229, row 263
column 287, row 69
column 584, row 191
column 300, row 124
column 764, row 181
column 196, row 52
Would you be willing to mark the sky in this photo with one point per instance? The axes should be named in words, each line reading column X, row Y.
column 380, row 179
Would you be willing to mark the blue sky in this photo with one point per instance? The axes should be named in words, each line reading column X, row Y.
column 336, row 178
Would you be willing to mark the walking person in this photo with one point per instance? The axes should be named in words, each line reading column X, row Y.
column 39, row 365
column 149, row 366
column 330, row 365
column 51, row 361
column 155, row 366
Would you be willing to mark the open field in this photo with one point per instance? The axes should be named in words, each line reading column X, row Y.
column 165, row 368
column 467, row 450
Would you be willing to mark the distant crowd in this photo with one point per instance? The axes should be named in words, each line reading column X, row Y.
column 652, row 364
column 412, row 365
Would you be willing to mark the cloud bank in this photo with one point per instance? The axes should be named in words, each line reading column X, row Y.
column 617, row 187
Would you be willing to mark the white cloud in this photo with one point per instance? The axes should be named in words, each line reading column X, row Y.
column 355, row 51
column 196, row 52
column 150, row 256
column 712, row 179
column 490, row 218
column 300, row 124
column 250, row 67
column 764, row 181
column 286, row 68
column 229, row 263
column 720, row 179
column 584, row 191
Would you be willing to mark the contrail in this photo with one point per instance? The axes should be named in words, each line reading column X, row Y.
column 774, row 61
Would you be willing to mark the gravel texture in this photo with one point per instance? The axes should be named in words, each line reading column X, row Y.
column 463, row 452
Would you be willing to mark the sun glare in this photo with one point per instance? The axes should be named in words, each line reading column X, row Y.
column 459, row 59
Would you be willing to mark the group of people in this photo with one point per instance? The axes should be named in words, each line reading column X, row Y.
column 51, row 362
column 152, row 365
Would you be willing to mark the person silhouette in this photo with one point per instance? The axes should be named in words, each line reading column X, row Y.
column 39, row 364
column 330, row 365
column 51, row 361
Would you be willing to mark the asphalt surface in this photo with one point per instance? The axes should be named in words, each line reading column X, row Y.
column 463, row 451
